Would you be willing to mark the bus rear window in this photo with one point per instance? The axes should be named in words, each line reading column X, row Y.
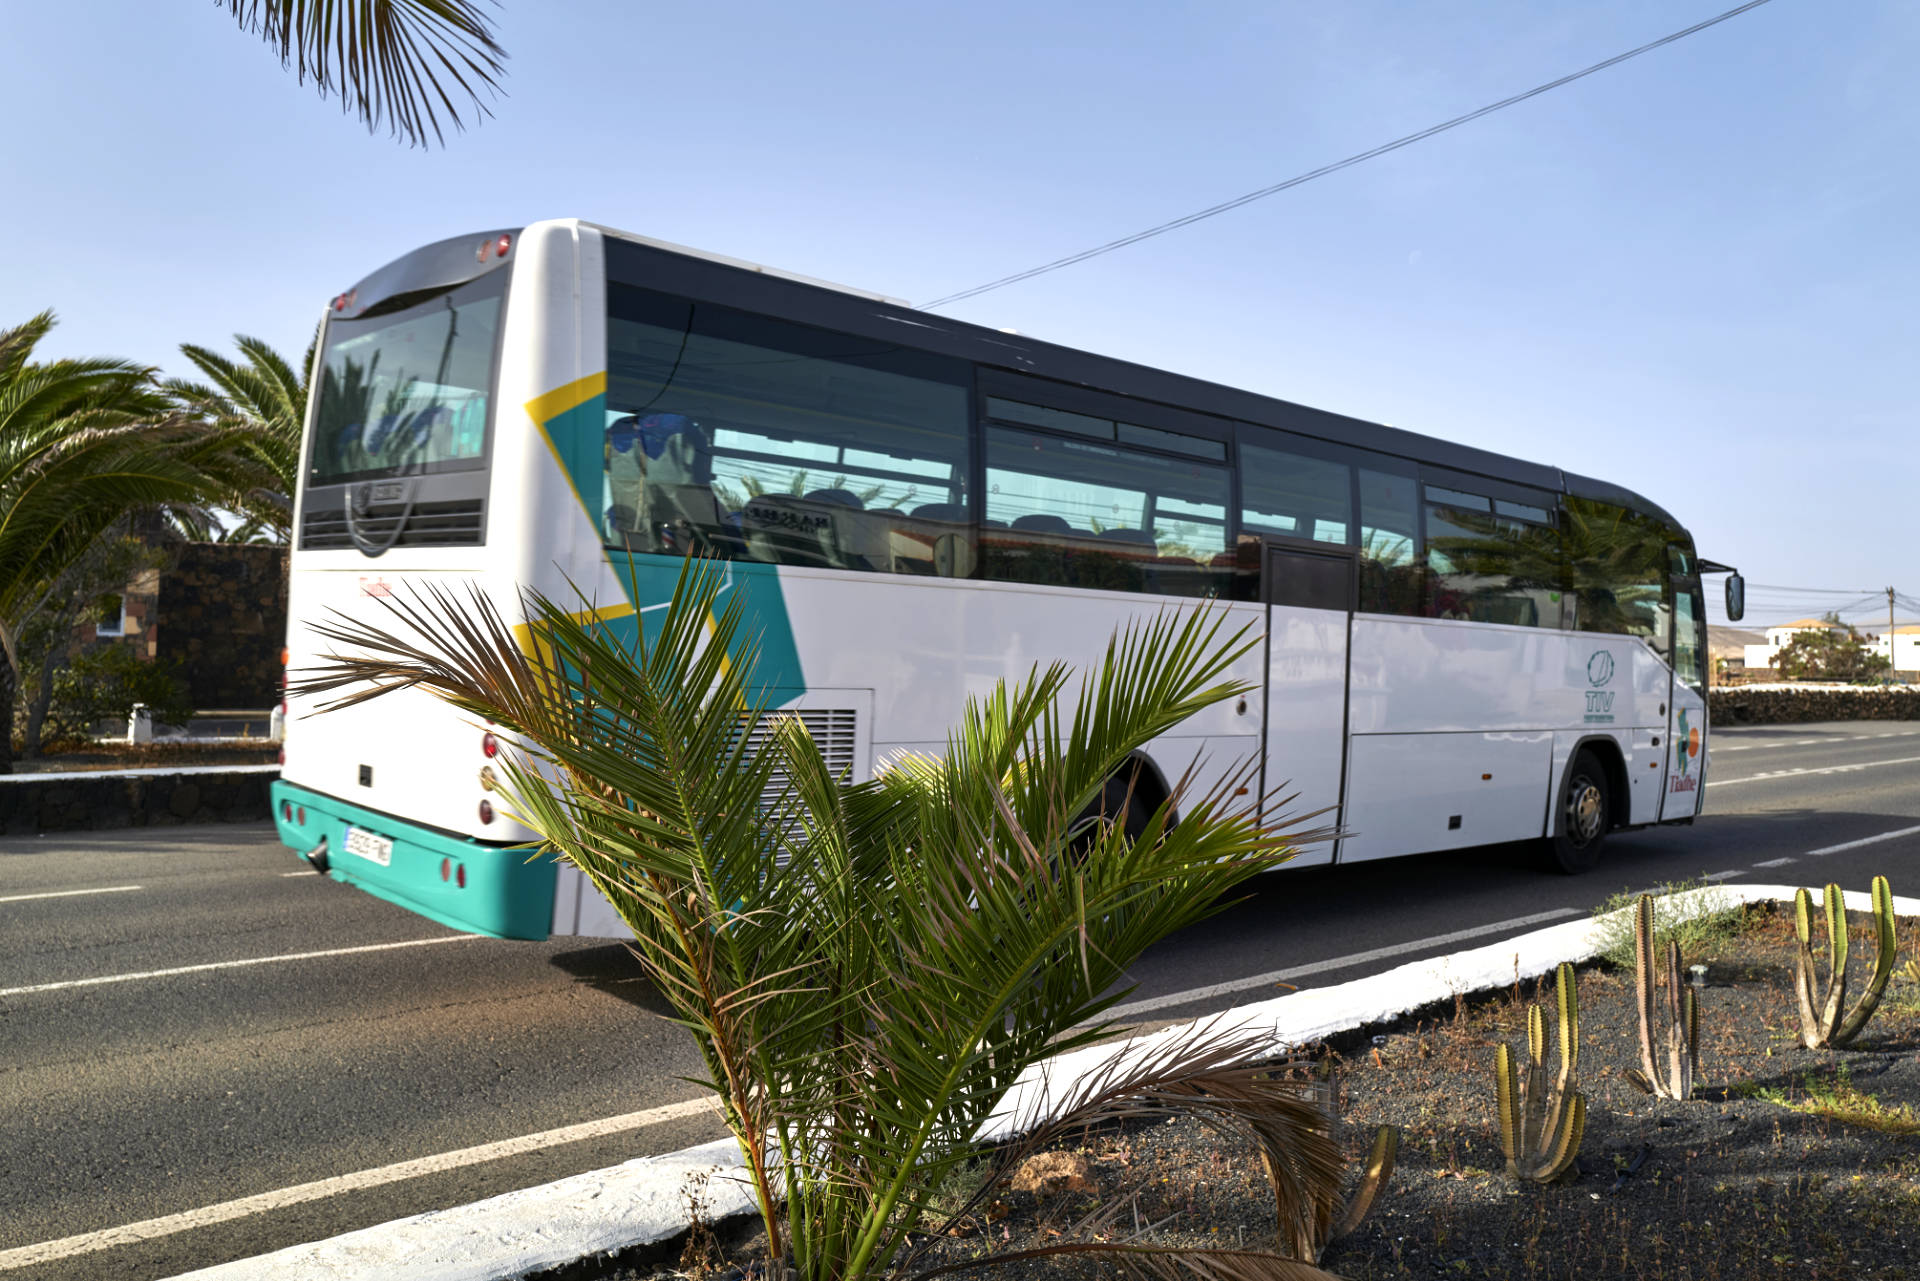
column 406, row 393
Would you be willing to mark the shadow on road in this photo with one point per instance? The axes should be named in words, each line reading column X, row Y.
column 613, row 969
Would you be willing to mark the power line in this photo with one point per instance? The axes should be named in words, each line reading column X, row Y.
column 1335, row 167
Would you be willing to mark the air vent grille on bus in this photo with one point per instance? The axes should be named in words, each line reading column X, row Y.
column 833, row 731
column 449, row 524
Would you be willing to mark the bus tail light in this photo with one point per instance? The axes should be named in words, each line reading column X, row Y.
column 501, row 246
column 446, row 869
column 460, row 876
column 486, row 811
column 489, row 746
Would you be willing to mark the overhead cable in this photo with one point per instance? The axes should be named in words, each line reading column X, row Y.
column 1225, row 205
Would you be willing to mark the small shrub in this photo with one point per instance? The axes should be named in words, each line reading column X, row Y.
column 104, row 683
column 1703, row 930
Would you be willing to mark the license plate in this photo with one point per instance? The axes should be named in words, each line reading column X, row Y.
column 370, row 845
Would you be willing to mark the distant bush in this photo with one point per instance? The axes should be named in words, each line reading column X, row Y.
column 103, row 684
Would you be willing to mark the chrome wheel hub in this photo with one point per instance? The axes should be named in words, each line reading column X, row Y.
column 1585, row 811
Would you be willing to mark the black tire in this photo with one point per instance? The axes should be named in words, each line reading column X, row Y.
column 1582, row 816
column 1120, row 799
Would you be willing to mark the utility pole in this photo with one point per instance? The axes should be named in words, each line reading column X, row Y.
column 1893, row 661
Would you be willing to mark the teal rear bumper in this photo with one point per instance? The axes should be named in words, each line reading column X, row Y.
column 484, row 889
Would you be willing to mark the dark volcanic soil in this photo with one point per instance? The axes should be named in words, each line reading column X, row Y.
column 1741, row 1183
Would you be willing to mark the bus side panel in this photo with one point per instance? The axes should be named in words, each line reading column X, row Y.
column 1420, row 792
column 1515, row 700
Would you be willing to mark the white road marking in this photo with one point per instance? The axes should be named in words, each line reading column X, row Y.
column 110, row 889
column 231, row 965
column 1777, row 862
column 1809, row 773
column 1865, row 840
column 132, row 1233
column 1806, row 742
column 1134, row 1008
column 305, row 871
column 1723, row 876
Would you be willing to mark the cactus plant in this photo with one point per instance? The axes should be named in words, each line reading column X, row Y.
column 1311, row 1239
column 1683, row 1014
column 1541, row 1123
column 1820, row 1023
column 1314, row 1231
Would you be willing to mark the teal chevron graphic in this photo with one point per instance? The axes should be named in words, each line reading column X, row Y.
column 576, row 436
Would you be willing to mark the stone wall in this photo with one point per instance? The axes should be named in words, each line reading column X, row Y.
column 222, row 617
column 108, row 800
column 1781, row 704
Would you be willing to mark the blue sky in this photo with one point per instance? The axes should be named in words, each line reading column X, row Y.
column 1692, row 274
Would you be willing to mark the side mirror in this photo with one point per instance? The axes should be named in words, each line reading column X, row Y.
column 1736, row 597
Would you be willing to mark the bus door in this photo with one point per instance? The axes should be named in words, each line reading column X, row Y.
column 1687, row 707
column 1309, row 593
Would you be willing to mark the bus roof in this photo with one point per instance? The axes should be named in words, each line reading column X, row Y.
column 753, row 287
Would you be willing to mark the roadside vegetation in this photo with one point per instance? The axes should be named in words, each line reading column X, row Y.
column 1780, row 1161
column 870, row 968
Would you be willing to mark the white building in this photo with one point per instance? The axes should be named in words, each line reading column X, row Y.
column 1781, row 635
column 1905, row 648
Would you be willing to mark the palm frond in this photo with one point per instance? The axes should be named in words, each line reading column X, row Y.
column 400, row 63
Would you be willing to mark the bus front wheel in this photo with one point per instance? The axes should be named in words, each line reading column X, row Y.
column 1582, row 818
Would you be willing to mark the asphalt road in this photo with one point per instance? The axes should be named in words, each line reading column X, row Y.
column 146, row 1075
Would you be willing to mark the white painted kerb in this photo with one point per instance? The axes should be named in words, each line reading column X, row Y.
column 643, row 1201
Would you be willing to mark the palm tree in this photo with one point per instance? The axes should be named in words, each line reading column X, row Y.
column 401, row 62
column 869, row 968
column 266, row 397
column 84, row 444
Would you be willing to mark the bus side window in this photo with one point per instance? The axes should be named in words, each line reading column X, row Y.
column 737, row 435
column 1072, row 513
column 1294, row 495
column 1616, row 564
column 1492, row 560
column 1390, row 573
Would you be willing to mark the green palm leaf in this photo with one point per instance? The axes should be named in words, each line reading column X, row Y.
column 868, row 968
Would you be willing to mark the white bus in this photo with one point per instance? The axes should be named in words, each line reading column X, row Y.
column 1460, row 648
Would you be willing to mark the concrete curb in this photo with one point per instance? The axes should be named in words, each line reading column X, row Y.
column 641, row 1202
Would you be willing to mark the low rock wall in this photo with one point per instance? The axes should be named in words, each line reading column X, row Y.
column 78, row 802
column 1782, row 704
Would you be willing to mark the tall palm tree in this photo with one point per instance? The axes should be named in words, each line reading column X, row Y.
column 264, row 398
column 83, row 445
column 397, row 62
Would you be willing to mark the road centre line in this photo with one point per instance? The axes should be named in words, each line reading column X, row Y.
column 1809, row 773
column 261, row 1203
column 231, row 965
column 108, row 889
column 1719, row 748
column 1133, row 1009
column 1777, row 862
column 1725, row 876
column 1854, row 845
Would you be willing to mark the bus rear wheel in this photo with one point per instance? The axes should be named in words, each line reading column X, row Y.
column 1582, row 817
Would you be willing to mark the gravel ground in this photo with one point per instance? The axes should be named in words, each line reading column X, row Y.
column 1741, row 1183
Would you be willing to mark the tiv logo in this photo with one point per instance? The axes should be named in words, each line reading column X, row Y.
column 1599, row 701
